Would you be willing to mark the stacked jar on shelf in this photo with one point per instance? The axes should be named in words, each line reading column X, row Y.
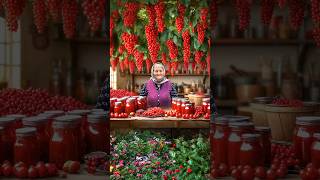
column 53, row 136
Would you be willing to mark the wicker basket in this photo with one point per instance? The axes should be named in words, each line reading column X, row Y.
column 281, row 119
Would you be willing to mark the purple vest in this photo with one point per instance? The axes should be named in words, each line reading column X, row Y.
column 162, row 96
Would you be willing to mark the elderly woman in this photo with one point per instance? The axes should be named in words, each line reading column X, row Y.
column 158, row 89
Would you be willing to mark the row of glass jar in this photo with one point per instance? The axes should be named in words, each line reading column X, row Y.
column 306, row 139
column 53, row 136
column 184, row 106
column 128, row 104
column 236, row 141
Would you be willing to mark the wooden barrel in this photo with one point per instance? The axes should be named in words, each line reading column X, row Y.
column 281, row 120
column 259, row 115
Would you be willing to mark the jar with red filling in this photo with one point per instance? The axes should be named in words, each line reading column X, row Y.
column 50, row 116
column 188, row 109
column 26, row 147
column 265, row 134
column 234, row 140
column 18, row 118
column 96, row 133
column 142, row 102
column 250, row 150
column 183, row 105
column 205, row 104
column 178, row 105
column 43, row 136
column 220, row 141
column 8, row 136
column 123, row 101
column 315, row 151
column 1, row 146
column 130, row 105
column 306, row 126
column 118, row 107
column 65, row 143
column 112, row 102
column 173, row 103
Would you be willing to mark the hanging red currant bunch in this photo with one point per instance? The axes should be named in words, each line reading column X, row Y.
column 316, row 35
column 139, row 60
column 315, row 10
column 186, row 49
column 114, row 63
column 267, row 7
column 151, row 15
column 40, row 15
column 163, row 58
column 130, row 13
column 173, row 49
column 95, row 12
column 69, row 17
column 281, row 3
column 129, row 40
column 214, row 13
column 152, row 40
column 203, row 15
column 180, row 18
column 197, row 57
column 148, row 63
column 54, row 8
column 13, row 10
column 160, row 11
column 201, row 29
column 296, row 13
column 243, row 8
column 131, row 66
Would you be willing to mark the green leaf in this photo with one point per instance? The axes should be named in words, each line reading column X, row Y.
column 196, row 44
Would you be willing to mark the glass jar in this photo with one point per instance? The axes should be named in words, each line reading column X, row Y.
column 112, row 103
column 306, row 126
column 315, row 151
column 174, row 103
column 123, row 102
column 209, row 109
column 178, row 105
column 188, row 109
column 250, row 150
column 205, row 104
column 142, row 102
column 96, row 133
column 183, row 105
column 18, row 118
column 118, row 107
column 220, row 141
column 234, row 140
column 96, row 110
column 130, row 105
column 26, row 147
column 8, row 136
column 1, row 146
column 65, row 142
column 50, row 116
column 265, row 134
column 43, row 136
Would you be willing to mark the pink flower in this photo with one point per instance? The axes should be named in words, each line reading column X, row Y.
column 158, row 163
column 139, row 175
column 116, row 173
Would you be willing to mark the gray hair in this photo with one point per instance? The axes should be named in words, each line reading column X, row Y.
column 157, row 64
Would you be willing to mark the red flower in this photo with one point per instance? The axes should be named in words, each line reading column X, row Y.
column 180, row 166
column 189, row 170
column 165, row 177
column 174, row 178
column 177, row 170
column 158, row 163
column 116, row 173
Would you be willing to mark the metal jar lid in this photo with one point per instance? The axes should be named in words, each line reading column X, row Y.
column 79, row 112
column 26, row 131
column 95, row 118
column 250, row 137
column 54, row 112
column 16, row 116
column 232, row 118
column 4, row 121
column 308, row 120
column 240, row 124
column 34, row 120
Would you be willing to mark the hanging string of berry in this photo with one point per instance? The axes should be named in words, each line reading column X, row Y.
column 180, row 18
column 174, row 65
column 152, row 41
column 214, row 14
column 296, row 13
column 94, row 11
column 54, row 8
column 40, row 15
column 129, row 40
column 139, row 60
column 201, row 29
column 151, row 15
column 267, row 7
column 148, row 64
column 186, row 49
column 173, row 49
column 163, row 58
column 160, row 12
column 243, row 9
column 282, row 3
column 130, row 13
column 121, row 64
column 112, row 25
column 69, row 17
column 315, row 11
column 131, row 66
column 114, row 63
column 197, row 56
column 316, row 35
column 13, row 10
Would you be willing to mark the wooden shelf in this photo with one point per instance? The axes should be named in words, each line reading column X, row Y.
column 174, row 75
column 257, row 42
column 87, row 40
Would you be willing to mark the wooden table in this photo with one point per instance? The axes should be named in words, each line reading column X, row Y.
column 159, row 122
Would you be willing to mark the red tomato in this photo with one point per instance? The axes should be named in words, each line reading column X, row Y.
column 52, row 169
column 303, row 175
column 281, row 172
column 190, row 116
column 74, row 167
column 42, row 170
column 32, row 172
column 21, row 172
column 116, row 115
column 271, row 174
column 112, row 115
column 247, row 174
column 260, row 172
column 215, row 173
column 7, row 170
column 236, row 174
column 125, row 115
column 223, row 169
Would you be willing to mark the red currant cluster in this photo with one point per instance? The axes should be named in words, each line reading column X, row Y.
column 69, row 17
column 154, row 112
column 131, row 66
column 243, row 8
column 173, row 50
column 34, row 101
column 288, row 102
column 54, row 7
column 114, row 62
column 95, row 12
column 315, row 10
column 310, row 172
column 179, row 23
column 40, row 15
column 201, row 29
column 214, row 14
column 130, row 13
column 203, row 15
column 267, row 7
column 119, row 93
column 13, row 10
column 130, row 41
column 139, row 60
column 186, row 48
column 148, row 63
column 152, row 40
column 174, row 65
column 126, row 62
column 122, row 67
column 151, row 15
column 208, row 59
column 163, row 58
column 160, row 11
column 197, row 57
column 281, row 3
column 296, row 13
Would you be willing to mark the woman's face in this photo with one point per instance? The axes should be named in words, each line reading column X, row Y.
column 158, row 72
